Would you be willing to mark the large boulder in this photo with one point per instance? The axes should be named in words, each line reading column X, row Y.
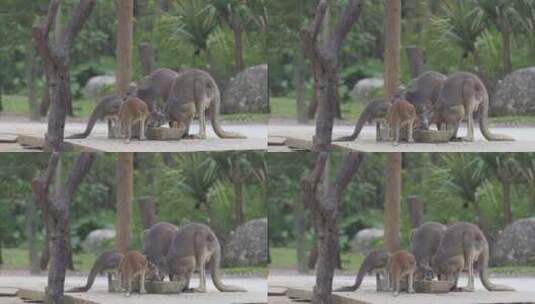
column 366, row 240
column 99, row 240
column 516, row 93
column 96, row 86
column 248, row 246
column 247, row 92
column 364, row 89
column 516, row 245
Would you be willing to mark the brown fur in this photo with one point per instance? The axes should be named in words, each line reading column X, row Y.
column 133, row 110
column 401, row 264
column 401, row 113
column 133, row 265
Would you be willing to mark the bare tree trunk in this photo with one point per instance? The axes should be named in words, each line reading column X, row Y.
column 302, row 116
column 507, row 211
column 147, row 211
column 300, row 230
column 324, row 58
column 59, row 218
column 147, row 56
column 238, row 43
column 416, row 211
column 415, row 56
column 506, row 51
column 125, row 189
column 31, row 231
column 125, row 15
column 30, row 82
column 324, row 210
column 56, row 60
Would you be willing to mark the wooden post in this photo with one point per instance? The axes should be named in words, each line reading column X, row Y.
column 393, row 160
column 125, row 190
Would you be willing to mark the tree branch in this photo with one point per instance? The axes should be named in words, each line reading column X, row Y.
column 351, row 14
column 310, row 182
column 79, row 171
column 41, row 31
column 78, row 18
column 41, row 184
column 309, row 35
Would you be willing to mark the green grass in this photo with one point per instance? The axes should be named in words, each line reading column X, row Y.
column 18, row 104
column 17, row 259
column 514, row 270
column 285, row 107
column 285, row 258
column 521, row 120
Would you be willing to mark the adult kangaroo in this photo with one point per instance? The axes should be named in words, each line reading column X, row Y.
column 375, row 110
column 107, row 108
column 107, row 262
column 156, row 242
column 461, row 96
column 192, row 93
column 462, row 245
column 194, row 246
column 374, row 262
column 425, row 241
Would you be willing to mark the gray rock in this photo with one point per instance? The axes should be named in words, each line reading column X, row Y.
column 516, row 245
column 366, row 239
column 95, row 86
column 364, row 88
column 247, row 92
column 516, row 93
column 248, row 245
column 99, row 240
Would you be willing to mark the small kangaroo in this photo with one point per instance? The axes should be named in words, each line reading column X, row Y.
column 133, row 265
column 133, row 110
column 401, row 113
column 374, row 262
column 401, row 264
column 108, row 262
column 462, row 245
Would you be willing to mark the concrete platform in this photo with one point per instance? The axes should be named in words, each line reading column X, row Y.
column 300, row 136
column 257, row 291
column 300, row 287
column 31, row 134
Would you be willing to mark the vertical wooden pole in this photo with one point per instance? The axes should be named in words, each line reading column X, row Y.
column 393, row 161
column 125, row 189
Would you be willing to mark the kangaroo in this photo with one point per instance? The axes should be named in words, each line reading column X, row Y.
column 401, row 264
column 425, row 241
column 194, row 246
column 192, row 93
column 156, row 244
column 108, row 262
column 133, row 110
column 374, row 262
column 460, row 97
column 423, row 94
column 133, row 265
column 107, row 108
column 462, row 245
column 401, row 113
column 375, row 111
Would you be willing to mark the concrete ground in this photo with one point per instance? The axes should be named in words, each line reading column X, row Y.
column 525, row 293
column 301, row 137
column 256, row 138
column 256, row 291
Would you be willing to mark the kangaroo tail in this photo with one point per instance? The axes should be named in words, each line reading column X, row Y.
column 214, row 113
column 95, row 115
column 483, row 120
column 370, row 112
column 90, row 279
column 215, row 262
column 484, row 274
column 364, row 268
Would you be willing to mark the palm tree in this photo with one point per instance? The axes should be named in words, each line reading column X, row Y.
column 526, row 166
column 241, row 168
column 503, row 15
column 236, row 14
column 526, row 20
column 193, row 21
column 462, row 24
